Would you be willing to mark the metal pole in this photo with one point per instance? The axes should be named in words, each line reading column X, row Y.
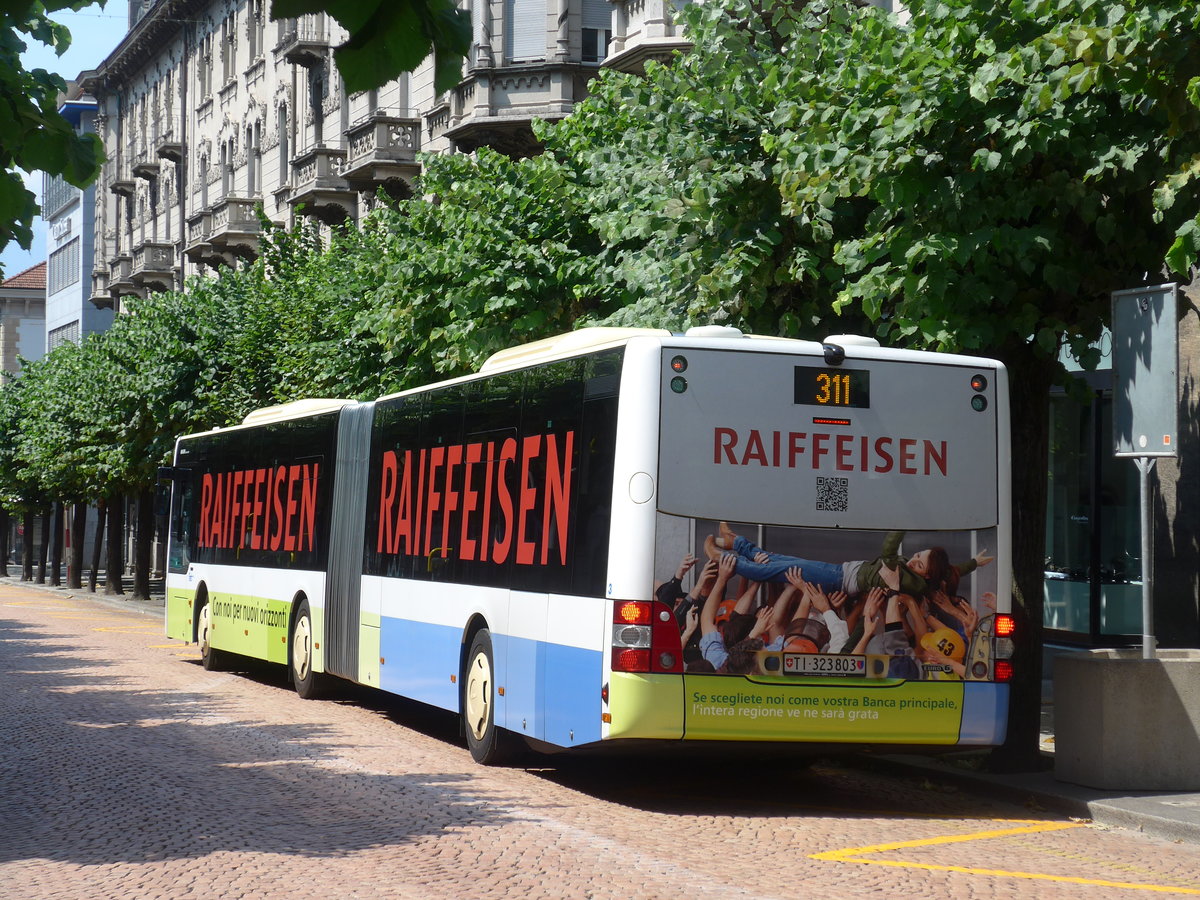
column 1145, row 464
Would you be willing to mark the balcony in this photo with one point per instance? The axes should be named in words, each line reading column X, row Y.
column 383, row 153
column 319, row 188
column 200, row 248
column 121, row 183
column 153, row 267
column 100, row 296
column 144, row 165
column 496, row 107
column 120, row 278
column 235, row 226
column 168, row 141
column 305, row 42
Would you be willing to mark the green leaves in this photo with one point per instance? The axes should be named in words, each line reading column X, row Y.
column 33, row 136
column 1185, row 249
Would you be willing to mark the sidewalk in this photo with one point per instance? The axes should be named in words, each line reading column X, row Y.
column 1173, row 816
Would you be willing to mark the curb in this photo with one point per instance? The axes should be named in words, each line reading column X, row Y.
column 152, row 607
column 1173, row 817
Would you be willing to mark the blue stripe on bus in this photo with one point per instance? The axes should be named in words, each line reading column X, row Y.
column 985, row 713
column 551, row 691
column 572, row 695
column 419, row 660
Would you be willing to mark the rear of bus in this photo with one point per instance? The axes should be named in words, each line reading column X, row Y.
column 863, row 496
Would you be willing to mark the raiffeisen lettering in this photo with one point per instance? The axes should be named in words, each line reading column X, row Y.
column 839, row 452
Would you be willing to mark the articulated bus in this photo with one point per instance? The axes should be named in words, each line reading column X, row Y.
column 626, row 538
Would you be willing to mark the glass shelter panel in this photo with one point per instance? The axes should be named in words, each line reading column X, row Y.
column 1093, row 573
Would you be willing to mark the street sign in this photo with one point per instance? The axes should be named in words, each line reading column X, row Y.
column 1145, row 371
column 1145, row 423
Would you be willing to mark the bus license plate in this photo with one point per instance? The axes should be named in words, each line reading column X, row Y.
column 824, row 664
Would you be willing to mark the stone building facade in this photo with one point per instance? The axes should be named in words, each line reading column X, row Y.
column 209, row 111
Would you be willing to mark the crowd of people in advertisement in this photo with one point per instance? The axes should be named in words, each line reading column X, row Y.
column 748, row 605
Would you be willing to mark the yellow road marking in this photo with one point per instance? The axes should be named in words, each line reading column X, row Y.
column 856, row 854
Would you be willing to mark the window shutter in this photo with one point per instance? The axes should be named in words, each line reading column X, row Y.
column 524, row 30
column 597, row 14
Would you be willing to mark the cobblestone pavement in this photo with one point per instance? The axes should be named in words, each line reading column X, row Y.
column 130, row 772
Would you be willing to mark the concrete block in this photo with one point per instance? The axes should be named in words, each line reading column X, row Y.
column 1126, row 723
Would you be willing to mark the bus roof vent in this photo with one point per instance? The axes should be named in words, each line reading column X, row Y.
column 293, row 410
column 563, row 345
column 713, row 331
column 851, row 340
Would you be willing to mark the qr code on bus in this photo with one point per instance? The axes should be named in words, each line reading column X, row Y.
column 833, row 494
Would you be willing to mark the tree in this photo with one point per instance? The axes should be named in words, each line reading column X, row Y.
column 683, row 190
column 498, row 251
column 33, row 136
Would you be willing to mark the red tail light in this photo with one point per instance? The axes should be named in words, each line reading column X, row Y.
column 627, row 659
column 645, row 638
column 1005, row 625
column 1003, row 670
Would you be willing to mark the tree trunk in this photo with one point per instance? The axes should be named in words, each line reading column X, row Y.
column 113, row 582
column 4, row 542
column 43, row 547
column 75, row 557
column 27, row 546
column 101, row 516
column 1030, row 378
column 56, row 546
column 143, row 545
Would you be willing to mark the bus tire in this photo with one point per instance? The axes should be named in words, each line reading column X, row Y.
column 488, row 745
column 310, row 685
column 212, row 659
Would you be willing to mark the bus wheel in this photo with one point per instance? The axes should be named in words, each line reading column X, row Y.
column 487, row 744
column 309, row 684
column 211, row 658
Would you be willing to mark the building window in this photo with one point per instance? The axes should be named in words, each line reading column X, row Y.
column 204, row 67
column 63, row 267
column 596, row 22
column 228, row 37
column 253, row 160
column 285, row 172
column 56, row 194
column 254, row 29
column 595, row 44
column 524, row 30
column 226, row 168
column 62, row 335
